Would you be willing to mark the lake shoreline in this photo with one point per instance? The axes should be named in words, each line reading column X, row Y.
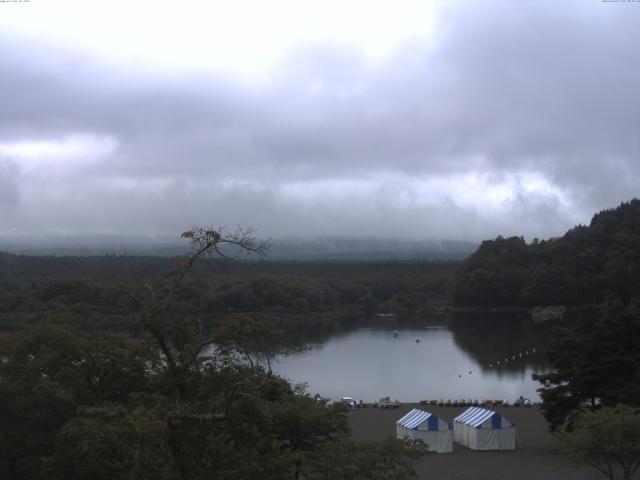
column 425, row 363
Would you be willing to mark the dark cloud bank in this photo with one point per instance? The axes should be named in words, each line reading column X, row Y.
column 517, row 118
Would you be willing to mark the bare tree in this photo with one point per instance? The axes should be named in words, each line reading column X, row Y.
column 180, row 340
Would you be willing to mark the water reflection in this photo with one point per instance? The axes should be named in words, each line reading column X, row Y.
column 501, row 342
column 457, row 359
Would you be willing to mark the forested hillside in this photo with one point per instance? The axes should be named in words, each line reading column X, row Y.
column 88, row 290
column 584, row 266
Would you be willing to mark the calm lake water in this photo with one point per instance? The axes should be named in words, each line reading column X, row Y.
column 454, row 361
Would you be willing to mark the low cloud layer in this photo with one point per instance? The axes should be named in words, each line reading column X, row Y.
column 513, row 118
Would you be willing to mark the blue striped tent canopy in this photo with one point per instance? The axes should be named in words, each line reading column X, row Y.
column 416, row 417
column 476, row 416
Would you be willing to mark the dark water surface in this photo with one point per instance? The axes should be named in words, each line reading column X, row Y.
column 458, row 359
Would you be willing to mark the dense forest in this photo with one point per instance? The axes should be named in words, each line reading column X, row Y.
column 169, row 398
column 88, row 291
column 586, row 265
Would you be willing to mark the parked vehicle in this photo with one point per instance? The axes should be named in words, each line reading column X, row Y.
column 522, row 402
column 385, row 402
column 349, row 401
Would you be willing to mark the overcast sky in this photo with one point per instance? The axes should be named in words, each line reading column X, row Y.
column 410, row 119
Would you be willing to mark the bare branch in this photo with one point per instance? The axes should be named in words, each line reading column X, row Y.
column 136, row 300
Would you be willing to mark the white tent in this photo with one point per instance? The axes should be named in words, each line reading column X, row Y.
column 425, row 426
column 481, row 429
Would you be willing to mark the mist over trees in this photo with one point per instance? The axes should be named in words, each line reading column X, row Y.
column 321, row 248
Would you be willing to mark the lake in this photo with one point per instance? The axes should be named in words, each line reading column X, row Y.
column 459, row 360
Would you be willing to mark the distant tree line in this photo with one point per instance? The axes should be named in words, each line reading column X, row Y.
column 297, row 294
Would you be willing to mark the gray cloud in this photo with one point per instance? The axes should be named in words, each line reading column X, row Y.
column 517, row 118
column 9, row 184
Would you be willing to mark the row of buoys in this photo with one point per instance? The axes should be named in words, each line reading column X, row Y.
column 520, row 402
column 506, row 359
column 514, row 357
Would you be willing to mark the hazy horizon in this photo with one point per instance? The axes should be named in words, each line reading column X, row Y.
column 282, row 248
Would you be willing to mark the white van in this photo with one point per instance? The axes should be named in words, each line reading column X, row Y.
column 349, row 401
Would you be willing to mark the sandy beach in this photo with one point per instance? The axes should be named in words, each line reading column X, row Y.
column 536, row 458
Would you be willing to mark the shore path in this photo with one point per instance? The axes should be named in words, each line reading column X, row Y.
column 535, row 459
